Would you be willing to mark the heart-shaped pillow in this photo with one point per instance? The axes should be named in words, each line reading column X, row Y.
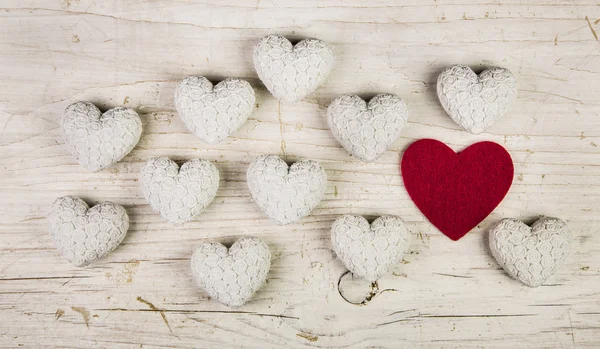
column 369, row 250
column 476, row 102
column 213, row 113
column 367, row 130
column 530, row 255
column 292, row 72
column 99, row 140
column 232, row 277
column 286, row 194
column 179, row 194
column 82, row 234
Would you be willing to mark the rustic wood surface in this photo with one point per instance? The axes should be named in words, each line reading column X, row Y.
column 444, row 295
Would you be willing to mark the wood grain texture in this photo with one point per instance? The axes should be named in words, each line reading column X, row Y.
column 444, row 295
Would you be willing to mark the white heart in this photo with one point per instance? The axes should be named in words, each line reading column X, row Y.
column 99, row 140
column 179, row 194
column 476, row 102
column 286, row 194
column 214, row 113
column 369, row 250
column 367, row 130
column 530, row 255
column 292, row 72
column 232, row 277
column 82, row 234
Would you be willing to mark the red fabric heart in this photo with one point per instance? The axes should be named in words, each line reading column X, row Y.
column 456, row 191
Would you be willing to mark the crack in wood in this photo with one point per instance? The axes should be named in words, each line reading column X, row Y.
column 46, row 278
column 454, row 276
column 468, row 316
column 281, row 130
column 182, row 311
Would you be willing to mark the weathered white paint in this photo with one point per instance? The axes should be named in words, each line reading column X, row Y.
column 445, row 294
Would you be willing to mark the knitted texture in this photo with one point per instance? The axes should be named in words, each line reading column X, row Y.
column 292, row 72
column 286, row 194
column 530, row 255
column 232, row 277
column 213, row 113
column 367, row 130
column 82, row 234
column 369, row 251
column 99, row 140
column 179, row 194
column 476, row 102
column 456, row 191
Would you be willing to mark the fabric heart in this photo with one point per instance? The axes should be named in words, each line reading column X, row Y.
column 82, row 234
column 286, row 194
column 292, row 72
column 369, row 251
column 367, row 130
column 179, row 194
column 214, row 113
column 232, row 277
column 530, row 255
column 456, row 191
column 99, row 140
column 476, row 102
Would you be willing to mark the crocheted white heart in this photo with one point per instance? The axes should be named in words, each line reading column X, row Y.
column 369, row 251
column 286, row 194
column 179, row 194
column 232, row 277
column 367, row 130
column 476, row 102
column 530, row 255
column 82, row 234
column 99, row 140
column 213, row 113
column 292, row 72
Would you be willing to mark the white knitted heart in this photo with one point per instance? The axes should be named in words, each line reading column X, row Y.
column 292, row 72
column 367, row 130
column 286, row 194
column 476, row 102
column 232, row 277
column 99, row 140
column 214, row 113
column 530, row 255
column 179, row 194
column 369, row 251
column 82, row 234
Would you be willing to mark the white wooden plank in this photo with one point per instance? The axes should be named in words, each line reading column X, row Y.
column 444, row 295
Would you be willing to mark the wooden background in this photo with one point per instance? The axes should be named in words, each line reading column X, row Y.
column 443, row 295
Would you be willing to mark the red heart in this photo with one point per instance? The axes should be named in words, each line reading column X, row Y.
column 456, row 191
